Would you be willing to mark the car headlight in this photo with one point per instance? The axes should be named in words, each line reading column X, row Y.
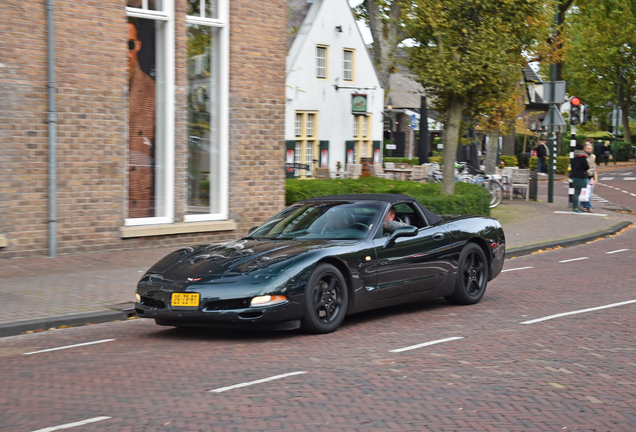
column 138, row 297
column 267, row 300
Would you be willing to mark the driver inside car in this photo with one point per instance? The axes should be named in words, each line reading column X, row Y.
column 390, row 223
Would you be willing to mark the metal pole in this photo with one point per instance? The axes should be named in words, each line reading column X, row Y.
column 52, row 127
column 572, row 148
column 618, row 92
column 551, row 138
column 423, row 146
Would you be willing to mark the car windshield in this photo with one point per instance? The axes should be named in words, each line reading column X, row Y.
column 322, row 221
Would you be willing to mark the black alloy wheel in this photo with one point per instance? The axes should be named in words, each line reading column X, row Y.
column 472, row 276
column 326, row 300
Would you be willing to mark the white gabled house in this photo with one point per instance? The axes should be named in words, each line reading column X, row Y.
column 330, row 75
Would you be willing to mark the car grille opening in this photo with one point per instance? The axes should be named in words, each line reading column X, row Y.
column 251, row 315
column 227, row 304
column 153, row 303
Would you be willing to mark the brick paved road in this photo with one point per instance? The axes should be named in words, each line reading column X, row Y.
column 571, row 373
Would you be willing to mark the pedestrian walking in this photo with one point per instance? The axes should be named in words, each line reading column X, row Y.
column 592, row 176
column 599, row 151
column 542, row 152
column 578, row 174
column 607, row 152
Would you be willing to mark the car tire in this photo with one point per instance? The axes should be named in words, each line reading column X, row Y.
column 326, row 299
column 472, row 276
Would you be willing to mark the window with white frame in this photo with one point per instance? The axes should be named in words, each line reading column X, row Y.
column 207, row 49
column 347, row 65
column 298, row 125
column 363, row 145
column 309, row 156
column 310, row 125
column 321, row 61
column 297, row 155
column 306, row 141
column 150, row 41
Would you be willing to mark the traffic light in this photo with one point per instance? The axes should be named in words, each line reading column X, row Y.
column 575, row 110
column 585, row 115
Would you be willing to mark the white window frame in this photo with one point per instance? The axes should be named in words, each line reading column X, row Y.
column 324, row 62
column 166, row 15
column 222, row 23
column 309, row 157
column 298, row 125
column 348, row 70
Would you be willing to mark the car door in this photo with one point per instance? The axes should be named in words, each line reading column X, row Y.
column 412, row 264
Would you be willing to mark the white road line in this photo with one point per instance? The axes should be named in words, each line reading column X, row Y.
column 69, row 346
column 616, row 251
column 70, row 425
column 577, row 312
column 607, row 178
column 412, row 347
column 520, row 268
column 580, row 214
column 630, row 178
column 245, row 384
column 632, row 194
column 574, row 259
column 624, row 191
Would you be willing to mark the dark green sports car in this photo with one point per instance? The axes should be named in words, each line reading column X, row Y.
column 321, row 259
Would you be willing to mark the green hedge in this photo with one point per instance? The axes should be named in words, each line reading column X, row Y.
column 509, row 161
column 563, row 163
column 624, row 151
column 468, row 199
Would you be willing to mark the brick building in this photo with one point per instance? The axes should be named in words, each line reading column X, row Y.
column 168, row 125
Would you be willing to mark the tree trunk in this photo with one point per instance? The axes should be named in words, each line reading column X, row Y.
column 386, row 37
column 491, row 151
column 451, row 138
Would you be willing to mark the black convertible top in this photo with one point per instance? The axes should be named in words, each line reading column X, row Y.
column 433, row 218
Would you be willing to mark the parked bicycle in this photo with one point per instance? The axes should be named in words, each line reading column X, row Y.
column 468, row 174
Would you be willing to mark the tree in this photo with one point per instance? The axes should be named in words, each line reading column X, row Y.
column 601, row 62
column 385, row 20
column 469, row 53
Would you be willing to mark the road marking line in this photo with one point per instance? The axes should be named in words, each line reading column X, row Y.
column 632, row 194
column 579, row 214
column 70, row 425
column 412, row 347
column 520, row 268
column 574, row 259
column 616, row 251
column 577, row 312
column 245, row 384
column 69, row 346
column 607, row 178
column 630, row 178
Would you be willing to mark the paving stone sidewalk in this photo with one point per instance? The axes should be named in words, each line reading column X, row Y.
column 39, row 293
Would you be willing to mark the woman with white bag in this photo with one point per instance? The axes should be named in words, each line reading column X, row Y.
column 586, row 194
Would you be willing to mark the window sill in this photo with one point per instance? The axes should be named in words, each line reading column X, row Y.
column 4, row 241
column 177, row 228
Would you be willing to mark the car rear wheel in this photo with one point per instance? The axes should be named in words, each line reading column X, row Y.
column 326, row 299
column 472, row 276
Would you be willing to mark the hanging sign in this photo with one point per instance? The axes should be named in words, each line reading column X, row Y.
column 358, row 104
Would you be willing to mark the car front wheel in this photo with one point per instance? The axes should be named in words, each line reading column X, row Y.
column 326, row 300
column 472, row 276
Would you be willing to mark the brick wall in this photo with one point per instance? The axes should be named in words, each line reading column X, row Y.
column 92, row 124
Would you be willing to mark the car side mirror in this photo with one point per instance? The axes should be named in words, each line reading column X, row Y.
column 404, row 231
column 251, row 230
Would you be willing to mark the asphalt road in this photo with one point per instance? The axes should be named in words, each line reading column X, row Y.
column 618, row 186
column 487, row 367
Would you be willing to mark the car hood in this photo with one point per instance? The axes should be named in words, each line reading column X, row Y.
column 245, row 256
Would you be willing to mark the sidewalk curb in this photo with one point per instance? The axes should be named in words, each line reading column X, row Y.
column 16, row 328
column 527, row 250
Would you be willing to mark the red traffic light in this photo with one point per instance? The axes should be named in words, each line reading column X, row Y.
column 575, row 101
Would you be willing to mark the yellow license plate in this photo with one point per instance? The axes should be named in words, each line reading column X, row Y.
column 185, row 300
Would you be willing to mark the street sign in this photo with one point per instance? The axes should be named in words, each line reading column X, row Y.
column 558, row 119
column 414, row 122
column 559, row 92
column 391, row 146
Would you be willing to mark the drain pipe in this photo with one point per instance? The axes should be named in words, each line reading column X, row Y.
column 52, row 126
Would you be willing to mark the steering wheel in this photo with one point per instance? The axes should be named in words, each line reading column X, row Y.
column 360, row 226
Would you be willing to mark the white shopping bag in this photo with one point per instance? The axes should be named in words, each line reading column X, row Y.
column 584, row 196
